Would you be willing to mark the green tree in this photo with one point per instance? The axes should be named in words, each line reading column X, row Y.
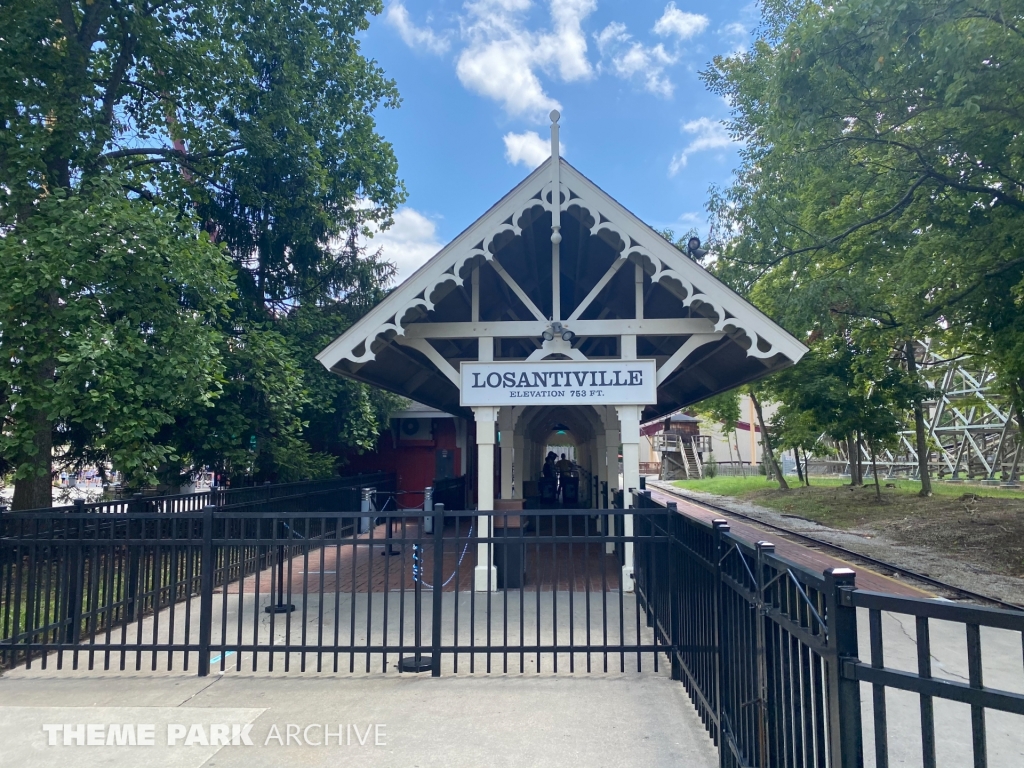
column 106, row 332
column 756, row 393
column 880, row 188
column 723, row 409
column 851, row 393
column 797, row 431
column 255, row 116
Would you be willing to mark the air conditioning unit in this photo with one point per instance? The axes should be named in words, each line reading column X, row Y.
column 415, row 429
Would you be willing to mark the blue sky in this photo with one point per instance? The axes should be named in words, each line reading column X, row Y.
column 478, row 79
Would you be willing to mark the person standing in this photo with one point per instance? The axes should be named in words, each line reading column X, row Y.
column 564, row 467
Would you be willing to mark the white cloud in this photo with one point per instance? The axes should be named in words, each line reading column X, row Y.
column 503, row 57
column 610, row 35
column 528, row 148
column 566, row 47
column 680, row 24
column 710, row 134
column 737, row 36
column 633, row 60
column 409, row 243
column 648, row 64
column 413, row 36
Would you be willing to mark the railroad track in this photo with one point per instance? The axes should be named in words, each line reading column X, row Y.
column 847, row 553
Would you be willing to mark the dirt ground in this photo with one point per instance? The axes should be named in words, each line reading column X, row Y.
column 968, row 541
column 988, row 531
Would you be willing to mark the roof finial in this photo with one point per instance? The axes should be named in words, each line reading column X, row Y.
column 554, row 132
column 556, row 191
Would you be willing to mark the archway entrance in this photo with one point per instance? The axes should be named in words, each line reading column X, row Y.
column 559, row 308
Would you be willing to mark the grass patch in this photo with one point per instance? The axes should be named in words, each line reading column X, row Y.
column 979, row 523
column 742, row 486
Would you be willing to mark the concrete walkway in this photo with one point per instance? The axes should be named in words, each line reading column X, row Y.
column 540, row 720
column 1002, row 670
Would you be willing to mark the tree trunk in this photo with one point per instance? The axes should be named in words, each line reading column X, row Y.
column 807, row 470
column 766, row 442
column 920, row 439
column 36, row 490
column 854, row 452
column 860, row 460
column 799, row 469
column 739, row 456
column 874, row 471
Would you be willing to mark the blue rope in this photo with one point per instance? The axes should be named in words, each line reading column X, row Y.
column 417, row 566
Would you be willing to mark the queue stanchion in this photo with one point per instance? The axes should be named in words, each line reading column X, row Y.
column 417, row 662
column 281, row 606
column 390, row 549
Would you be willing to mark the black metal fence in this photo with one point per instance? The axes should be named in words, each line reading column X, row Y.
column 285, row 496
column 769, row 651
column 259, row 589
column 75, row 574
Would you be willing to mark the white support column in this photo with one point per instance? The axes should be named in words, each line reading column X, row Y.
column 519, row 466
column 505, row 422
column 485, row 576
column 628, row 342
column 611, row 450
column 629, row 421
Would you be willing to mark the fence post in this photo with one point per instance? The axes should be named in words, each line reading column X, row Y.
column 674, row 593
column 763, row 548
column 132, row 612
column 845, row 738
column 206, row 567
column 435, row 624
column 719, row 529
column 73, row 613
column 76, row 561
column 366, row 506
column 428, row 505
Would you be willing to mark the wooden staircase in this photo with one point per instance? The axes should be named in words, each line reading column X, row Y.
column 679, row 458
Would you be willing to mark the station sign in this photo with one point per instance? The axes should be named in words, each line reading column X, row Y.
column 560, row 382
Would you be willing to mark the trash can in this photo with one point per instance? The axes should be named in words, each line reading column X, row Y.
column 548, row 487
column 508, row 549
column 570, row 492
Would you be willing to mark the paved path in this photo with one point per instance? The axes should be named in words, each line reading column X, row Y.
column 812, row 559
column 338, row 564
column 448, row 722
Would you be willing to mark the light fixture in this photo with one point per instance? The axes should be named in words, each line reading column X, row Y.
column 693, row 249
column 557, row 329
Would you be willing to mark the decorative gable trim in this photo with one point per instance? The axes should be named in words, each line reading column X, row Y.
column 628, row 235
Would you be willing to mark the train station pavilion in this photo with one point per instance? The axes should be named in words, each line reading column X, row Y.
column 559, row 311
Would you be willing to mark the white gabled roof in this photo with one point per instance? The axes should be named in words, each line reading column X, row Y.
column 753, row 334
